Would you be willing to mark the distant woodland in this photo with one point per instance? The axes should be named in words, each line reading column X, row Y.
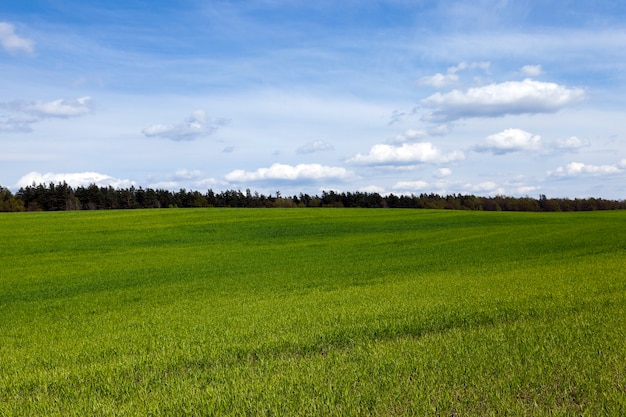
column 57, row 197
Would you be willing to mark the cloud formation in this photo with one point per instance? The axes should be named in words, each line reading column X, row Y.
column 485, row 187
column 194, row 127
column 186, row 174
column 578, row 169
column 571, row 143
column 315, row 146
column 510, row 140
column 396, row 116
column 411, row 185
column 61, row 108
column 16, row 124
column 75, row 179
column 283, row 172
column 410, row 135
column 532, row 70
column 496, row 100
column 23, row 114
column 358, row 82
column 440, row 80
column 442, row 172
column 11, row 42
column 405, row 154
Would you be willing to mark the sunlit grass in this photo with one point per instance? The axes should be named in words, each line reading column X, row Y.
column 312, row 312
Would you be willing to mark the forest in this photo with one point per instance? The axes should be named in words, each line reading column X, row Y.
column 61, row 196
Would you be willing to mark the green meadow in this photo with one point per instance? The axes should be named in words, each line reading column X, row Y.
column 312, row 312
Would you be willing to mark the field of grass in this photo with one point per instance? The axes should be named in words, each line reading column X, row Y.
column 312, row 312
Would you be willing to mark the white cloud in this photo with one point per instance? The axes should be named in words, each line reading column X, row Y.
column 410, row 135
column 531, row 70
column 411, row 185
column 571, row 143
column 74, row 179
column 210, row 183
column 439, row 80
column 444, row 80
column 58, row 108
column 526, row 190
column 11, row 42
column 483, row 65
column 510, row 140
column 495, row 100
column 406, row 154
column 440, row 130
column 185, row 178
column 487, row 187
column 372, row 189
column 283, row 172
column 22, row 114
column 577, row 169
column 185, row 174
column 442, row 172
column 195, row 126
column 315, row 146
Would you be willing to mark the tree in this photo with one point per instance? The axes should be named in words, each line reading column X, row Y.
column 8, row 202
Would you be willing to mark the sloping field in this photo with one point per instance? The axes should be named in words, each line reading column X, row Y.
column 312, row 312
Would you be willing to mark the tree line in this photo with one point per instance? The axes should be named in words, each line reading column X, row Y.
column 61, row 196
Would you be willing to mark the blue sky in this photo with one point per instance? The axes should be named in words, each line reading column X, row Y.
column 479, row 97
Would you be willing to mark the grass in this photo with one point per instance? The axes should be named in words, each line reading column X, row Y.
column 312, row 312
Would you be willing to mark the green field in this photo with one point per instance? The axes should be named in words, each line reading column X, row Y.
column 312, row 312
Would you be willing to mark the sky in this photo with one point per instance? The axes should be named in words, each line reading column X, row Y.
column 483, row 97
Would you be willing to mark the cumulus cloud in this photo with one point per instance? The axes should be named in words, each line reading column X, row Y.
column 578, row 169
column 411, row 185
column 410, row 135
column 194, row 127
column 526, row 189
column 75, row 179
column 283, row 172
column 486, row 187
column 571, row 143
column 195, row 179
column 57, row 108
column 11, row 42
column 372, row 189
column 406, row 154
column 510, row 140
column 450, row 77
column 439, row 80
column 531, row 70
column 495, row 100
column 442, row 172
column 185, row 174
column 21, row 115
column 184, row 178
column 315, row 146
